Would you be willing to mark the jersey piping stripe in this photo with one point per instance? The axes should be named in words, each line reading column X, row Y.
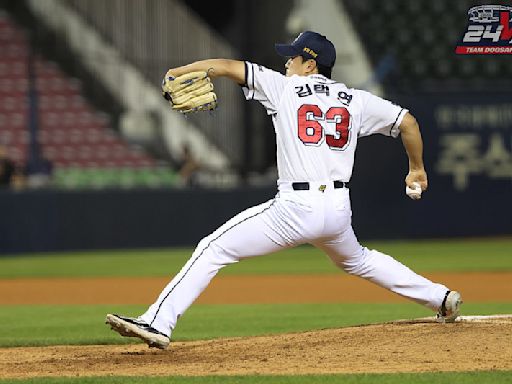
column 246, row 74
column 393, row 126
column 252, row 78
column 197, row 258
column 249, row 80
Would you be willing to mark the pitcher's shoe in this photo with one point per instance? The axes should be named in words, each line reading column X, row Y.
column 132, row 327
column 450, row 308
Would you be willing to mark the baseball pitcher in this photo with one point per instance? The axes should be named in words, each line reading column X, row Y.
column 318, row 123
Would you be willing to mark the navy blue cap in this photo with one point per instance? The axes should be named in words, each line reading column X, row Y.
column 311, row 45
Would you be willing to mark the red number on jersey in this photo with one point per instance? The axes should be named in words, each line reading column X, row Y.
column 311, row 131
column 341, row 117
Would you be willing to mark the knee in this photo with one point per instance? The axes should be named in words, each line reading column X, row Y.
column 351, row 268
column 216, row 252
column 355, row 263
column 202, row 245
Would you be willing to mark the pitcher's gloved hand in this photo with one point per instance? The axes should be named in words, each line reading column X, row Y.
column 191, row 92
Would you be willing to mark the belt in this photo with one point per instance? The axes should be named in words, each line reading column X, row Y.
column 304, row 186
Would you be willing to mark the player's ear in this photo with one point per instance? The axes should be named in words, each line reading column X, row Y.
column 311, row 66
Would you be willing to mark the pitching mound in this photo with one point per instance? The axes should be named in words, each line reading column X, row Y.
column 473, row 343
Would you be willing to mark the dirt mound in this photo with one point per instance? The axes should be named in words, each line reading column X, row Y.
column 397, row 347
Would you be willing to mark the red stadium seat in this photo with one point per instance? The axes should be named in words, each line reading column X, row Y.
column 71, row 132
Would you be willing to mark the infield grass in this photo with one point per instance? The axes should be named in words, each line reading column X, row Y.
column 494, row 377
column 478, row 255
column 39, row 325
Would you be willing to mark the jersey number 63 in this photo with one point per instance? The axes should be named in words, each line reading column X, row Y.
column 311, row 130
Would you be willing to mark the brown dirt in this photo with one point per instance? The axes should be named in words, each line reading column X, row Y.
column 399, row 347
column 423, row 347
column 340, row 288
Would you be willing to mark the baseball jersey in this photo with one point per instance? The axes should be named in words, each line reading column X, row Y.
column 317, row 122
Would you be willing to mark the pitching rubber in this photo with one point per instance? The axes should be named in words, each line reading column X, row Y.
column 490, row 319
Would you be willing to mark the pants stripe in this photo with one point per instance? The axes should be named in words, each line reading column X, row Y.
column 197, row 258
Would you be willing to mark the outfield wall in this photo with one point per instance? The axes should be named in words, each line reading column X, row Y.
column 70, row 220
column 62, row 220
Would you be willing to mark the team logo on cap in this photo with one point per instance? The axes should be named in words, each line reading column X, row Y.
column 488, row 31
column 310, row 51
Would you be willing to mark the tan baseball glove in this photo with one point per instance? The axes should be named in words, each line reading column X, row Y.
column 191, row 92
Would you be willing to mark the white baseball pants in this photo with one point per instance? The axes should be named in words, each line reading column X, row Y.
column 321, row 218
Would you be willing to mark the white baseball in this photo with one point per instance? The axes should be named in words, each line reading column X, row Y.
column 414, row 193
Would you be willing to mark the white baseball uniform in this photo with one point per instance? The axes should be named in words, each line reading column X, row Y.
column 317, row 122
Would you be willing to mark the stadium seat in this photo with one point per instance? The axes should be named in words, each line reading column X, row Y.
column 421, row 36
column 77, row 138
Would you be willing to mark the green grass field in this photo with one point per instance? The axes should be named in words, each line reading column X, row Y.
column 406, row 378
column 424, row 256
column 51, row 325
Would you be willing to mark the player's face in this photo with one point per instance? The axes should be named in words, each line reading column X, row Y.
column 295, row 66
